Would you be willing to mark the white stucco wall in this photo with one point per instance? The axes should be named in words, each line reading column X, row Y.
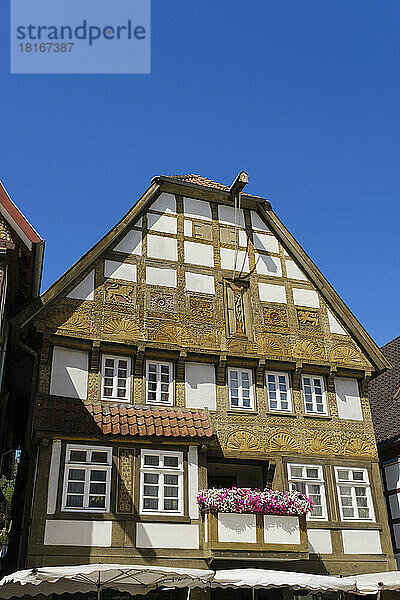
column 131, row 243
column 163, row 223
column 193, row 481
column 272, row 293
column 334, row 325
column 188, row 228
column 199, row 254
column 257, row 222
column 348, row 399
column 200, row 387
column 304, row 297
column 280, row 529
column 163, row 277
column 319, row 541
column 167, row 535
column 69, row 373
column 162, row 247
column 198, row 282
column 197, row 209
column 226, row 216
column 85, row 289
column 262, row 241
column 268, row 265
column 293, row 271
column 228, row 259
column 165, row 203
column 78, row 533
column 357, row 541
column 236, row 527
column 52, row 486
column 119, row 270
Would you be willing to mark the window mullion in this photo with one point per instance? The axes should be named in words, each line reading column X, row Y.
column 115, row 385
column 86, row 489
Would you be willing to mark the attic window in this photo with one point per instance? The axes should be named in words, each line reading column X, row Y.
column 237, row 309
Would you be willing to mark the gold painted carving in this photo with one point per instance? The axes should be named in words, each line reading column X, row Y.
column 271, row 346
column 308, row 318
column 175, row 334
column 345, row 353
column 308, row 349
column 275, row 316
column 125, row 482
column 283, row 442
column 321, row 444
column 243, row 441
column 119, row 292
column 163, row 302
column 121, row 327
column 201, row 309
column 359, row 447
column 63, row 319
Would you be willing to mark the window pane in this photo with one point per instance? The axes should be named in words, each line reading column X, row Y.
column 99, row 457
column 75, row 487
column 98, row 475
column 170, row 504
column 77, row 456
column 358, row 475
column 74, row 502
column 296, row 471
column 312, row 473
column 150, row 478
column 171, row 492
column 76, row 474
column 151, row 460
column 150, row 490
column 171, row 461
column 109, row 362
column 343, row 474
column 97, row 502
column 150, row 503
column 97, row 488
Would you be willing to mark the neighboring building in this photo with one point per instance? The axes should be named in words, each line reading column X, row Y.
column 21, row 257
column 384, row 392
column 198, row 345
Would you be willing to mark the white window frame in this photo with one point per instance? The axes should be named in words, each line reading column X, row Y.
column 251, row 394
column 162, row 470
column 314, row 403
column 87, row 467
column 310, row 481
column 114, row 396
column 277, row 374
column 353, row 483
column 157, row 401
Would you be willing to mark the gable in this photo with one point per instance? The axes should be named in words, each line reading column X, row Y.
column 160, row 277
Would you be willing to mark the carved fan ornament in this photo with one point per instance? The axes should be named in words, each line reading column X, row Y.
column 79, row 322
column 359, row 447
column 305, row 348
column 321, row 444
column 271, row 346
column 243, row 441
column 175, row 334
column 345, row 353
column 121, row 327
column 283, row 442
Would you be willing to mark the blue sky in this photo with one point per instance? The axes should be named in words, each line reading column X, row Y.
column 302, row 95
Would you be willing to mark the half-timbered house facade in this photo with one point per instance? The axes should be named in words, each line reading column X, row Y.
column 197, row 345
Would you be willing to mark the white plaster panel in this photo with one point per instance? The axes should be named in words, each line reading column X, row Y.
column 163, row 223
column 293, row 271
column 237, row 527
column 69, row 373
column 197, row 209
column 200, row 385
column 392, row 473
column 188, row 228
column 319, row 541
column 131, row 243
column 119, row 270
column 243, row 238
column 165, row 203
column 199, row 254
column 396, row 531
column 334, row 325
column 268, row 265
column 269, row 243
column 257, row 222
column 394, row 503
column 226, row 215
column 279, row 529
column 397, row 557
column 85, row 289
column 228, row 259
column 54, row 470
column 272, row 293
column 78, row 533
column 162, row 247
column 348, row 399
column 193, row 481
column 357, row 541
column 305, row 298
column 167, row 535
column 197, row 282
column 164, row 277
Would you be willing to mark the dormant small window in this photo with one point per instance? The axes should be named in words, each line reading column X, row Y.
column 159, row 389
column 354, row 494
column 278, row 391
column 161, row 482
column 309, row 480
column 314, row 395
column 116, row 372
column 87, row 478
column 240, row 383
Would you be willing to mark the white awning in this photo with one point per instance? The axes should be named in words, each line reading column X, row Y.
column 261, row 578
column 134, row 579
column 371, row 583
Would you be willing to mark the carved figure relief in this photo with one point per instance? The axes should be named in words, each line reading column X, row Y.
column 119, row 292
column 275, row 316
column 308, row 318
column 243, row 441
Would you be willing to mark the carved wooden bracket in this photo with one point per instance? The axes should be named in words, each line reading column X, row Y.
column 297, row 375
column 331, row 379
column 221, row 370
column 139, row 360
column 45, row 351
column 95, row 356
column 260, row 372
column 180, row 366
